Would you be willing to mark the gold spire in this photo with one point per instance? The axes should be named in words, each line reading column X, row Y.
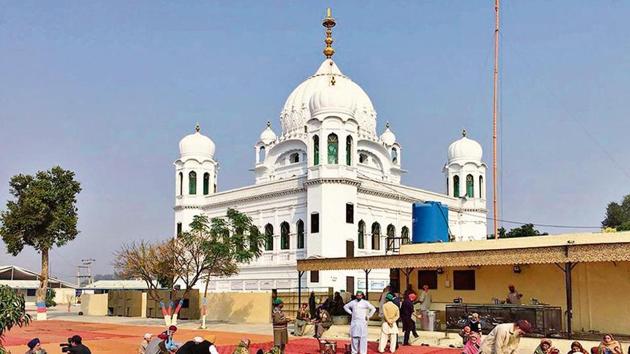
column 329, row 22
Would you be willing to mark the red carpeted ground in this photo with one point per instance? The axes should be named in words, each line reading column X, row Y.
column 311, row 346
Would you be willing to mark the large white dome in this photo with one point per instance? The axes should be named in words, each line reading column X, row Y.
column 296, row 111
column 196, row 145
column 465, row 149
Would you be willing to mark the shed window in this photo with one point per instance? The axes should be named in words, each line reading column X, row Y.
column 427, row 277
column 314, row 276
column 464, row 280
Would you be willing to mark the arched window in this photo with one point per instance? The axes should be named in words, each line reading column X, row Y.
column 261, row 154
column 181, row 183
column 284, row 236
column 192, row 182
column 268, row 237
column 363, row 158
column 404, row 233
column 470, row 186
column 294, row 157
column 300, row 234
column 394, row 155
column 333, row 149
column 391, row 230
column 456, row 186
column 361, row 235
column 206, row 183
column 376, row 236
column 480, row 186
column 349, row 150
column 315, row 150
column 391, row 234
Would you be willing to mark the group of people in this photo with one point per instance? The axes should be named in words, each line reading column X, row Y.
column 74, row 346
column 608, row 345
column 164, row 343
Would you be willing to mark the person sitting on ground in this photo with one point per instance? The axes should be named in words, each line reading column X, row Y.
column 243, row 347
column 35, row 347
column 199, row 345
column 474, row 323
column 145, row 342
column 543, row 347
column 169, row 343
column 577, row 348
column 472, row 345
column 465, row 334
column 323, row 323
column 553, row 350
column 608, row 345
column 302, row 319
column 337, row 305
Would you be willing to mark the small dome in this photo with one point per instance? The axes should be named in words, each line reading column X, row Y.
column 196, row 144
column 388, row 137
column 334, row 98
column 465, row 149
column 268, row 136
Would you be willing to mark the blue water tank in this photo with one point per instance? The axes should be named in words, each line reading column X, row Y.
column 430, row 222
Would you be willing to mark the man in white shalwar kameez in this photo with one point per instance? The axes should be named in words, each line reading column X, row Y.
column 361, row 311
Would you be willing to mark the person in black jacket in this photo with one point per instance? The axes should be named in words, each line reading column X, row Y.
column 77, row 347
column 474, row 323
column 198, row 345
column 312, row 304
column 406, row 315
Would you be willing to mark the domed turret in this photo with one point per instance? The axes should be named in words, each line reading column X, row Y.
column 196, row 144
column 268, row 136
column 388, row 137
column 465, row 149
column 334, row 98
column 297, row 112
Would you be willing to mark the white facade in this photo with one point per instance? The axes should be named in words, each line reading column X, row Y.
column 332, row 180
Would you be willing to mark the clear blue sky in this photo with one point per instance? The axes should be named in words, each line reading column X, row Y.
column 108, row 88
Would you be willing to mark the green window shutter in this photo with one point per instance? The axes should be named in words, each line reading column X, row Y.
column 315, row 150
column 333, row 153
column 192, row 183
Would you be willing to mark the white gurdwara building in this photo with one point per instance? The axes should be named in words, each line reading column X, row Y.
column 327, row 186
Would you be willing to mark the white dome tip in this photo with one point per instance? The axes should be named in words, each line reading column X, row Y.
column 388, row 137
column 465, row 149
column 268, row 136
column 196, row 144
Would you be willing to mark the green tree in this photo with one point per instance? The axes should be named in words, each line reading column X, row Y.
column 42, row 215
column 210, row 248
column 618, row 215
column 12, row 312
column 524, row 231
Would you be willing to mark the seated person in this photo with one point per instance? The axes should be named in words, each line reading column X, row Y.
column 472, row 345
column 465, row 334
column 577, row 348
column 302, row 319
column 543, row 347
column 323, row 322
column 608, row 345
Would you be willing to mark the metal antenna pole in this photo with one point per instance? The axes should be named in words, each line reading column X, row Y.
column 495, row 209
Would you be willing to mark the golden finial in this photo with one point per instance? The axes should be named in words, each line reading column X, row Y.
column 464, row 133
column 329, row 22
column 197, row 127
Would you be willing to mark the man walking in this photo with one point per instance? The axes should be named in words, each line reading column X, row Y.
column 407, row 313
column 504, row 338
column 280, row 320
column 389, row 328
column 361, row 311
